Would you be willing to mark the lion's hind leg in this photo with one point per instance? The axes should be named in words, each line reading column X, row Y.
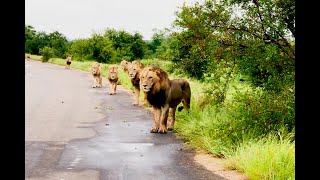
column 171, row 118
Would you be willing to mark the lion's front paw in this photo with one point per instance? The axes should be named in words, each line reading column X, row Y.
column 170, row 128
column 94, row 86
column 163, row 130
column 135, row 103
column 154, row 130
column 142, row 103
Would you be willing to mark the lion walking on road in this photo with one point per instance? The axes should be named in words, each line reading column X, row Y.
column 113, row 78
column 97, row 73
column 134, row 74
column 124, row 66
column 164, row 95
column 68, row 62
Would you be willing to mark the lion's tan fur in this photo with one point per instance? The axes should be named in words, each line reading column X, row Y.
column 124, row 66
column 68, row 62
column 112, row 78
column 164, row 95
column 96, row 73
column 134, row 74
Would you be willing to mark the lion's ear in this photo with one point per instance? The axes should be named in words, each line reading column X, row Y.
column 158, row 72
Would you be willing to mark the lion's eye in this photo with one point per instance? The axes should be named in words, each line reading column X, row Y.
column 150, row 77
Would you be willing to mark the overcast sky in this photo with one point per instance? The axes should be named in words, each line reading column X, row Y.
column 80, row 18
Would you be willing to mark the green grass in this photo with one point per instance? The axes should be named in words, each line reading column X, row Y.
column 216, row 130
column 267, row 158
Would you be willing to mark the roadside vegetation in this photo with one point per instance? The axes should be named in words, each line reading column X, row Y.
column 241, row 68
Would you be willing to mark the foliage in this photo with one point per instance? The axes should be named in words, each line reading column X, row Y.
column 46, row 53
column 272, row 157
column 127, row 46
column 34, row 41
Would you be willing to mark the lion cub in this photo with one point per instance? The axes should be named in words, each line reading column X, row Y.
column 96, row 72
column 113, row 78
column 68, row 62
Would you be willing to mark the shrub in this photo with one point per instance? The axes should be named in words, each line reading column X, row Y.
column 46, row 53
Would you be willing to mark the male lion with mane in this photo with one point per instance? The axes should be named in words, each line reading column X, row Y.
column 113, row 78
column 96, row 72
column 164, row 95
column 124, row 66
column 134, row 74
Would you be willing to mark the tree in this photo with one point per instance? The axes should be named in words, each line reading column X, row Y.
column 126, row 45
column 137, row 46
column 259, row 40
column 80, row 49
column 46, row 53
column 101, row 48
column 59, row 43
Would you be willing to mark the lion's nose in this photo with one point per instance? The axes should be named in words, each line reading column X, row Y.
column 144, row 85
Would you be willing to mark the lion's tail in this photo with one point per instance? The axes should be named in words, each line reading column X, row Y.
column 186, row 91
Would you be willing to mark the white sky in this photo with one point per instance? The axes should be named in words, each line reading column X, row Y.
column 80, row 18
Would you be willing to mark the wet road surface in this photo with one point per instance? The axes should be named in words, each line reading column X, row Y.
column 74, row 131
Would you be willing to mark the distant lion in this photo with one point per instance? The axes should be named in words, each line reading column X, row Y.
column 113, row 78
column 68, row 62
column 124, row 66
column 164, row 95
column 134, row 74
column 28, row 57
column 97, row 73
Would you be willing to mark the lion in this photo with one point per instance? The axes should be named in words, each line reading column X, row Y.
column 113, row 78
column 97, row 73
column 28, row 57
column 124, row 66
column 134, row 74
column 68, row 62
column 164, row 95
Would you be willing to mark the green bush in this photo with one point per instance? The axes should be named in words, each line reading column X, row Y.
column 46, row 53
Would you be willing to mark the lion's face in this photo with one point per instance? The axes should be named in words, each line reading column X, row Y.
column 95, row 68
column 113, row 72
column 148, row 78
column 133, row 70
column 124, row 65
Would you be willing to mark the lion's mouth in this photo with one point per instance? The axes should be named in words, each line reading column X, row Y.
column 145, row 89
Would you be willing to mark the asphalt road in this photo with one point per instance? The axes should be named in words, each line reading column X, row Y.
column 76, row 132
